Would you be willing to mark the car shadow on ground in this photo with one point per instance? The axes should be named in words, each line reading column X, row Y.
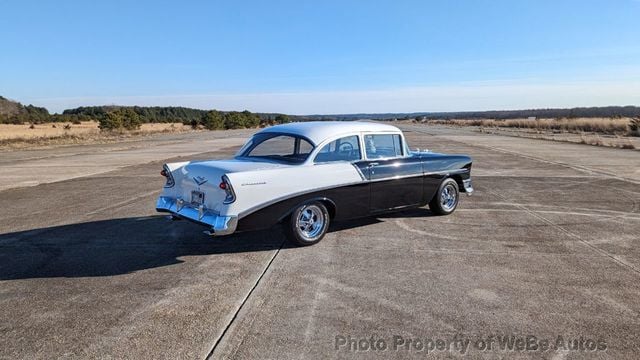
column 121, row 246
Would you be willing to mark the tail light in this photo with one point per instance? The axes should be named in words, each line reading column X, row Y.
column 228, row 189
column 167, row 174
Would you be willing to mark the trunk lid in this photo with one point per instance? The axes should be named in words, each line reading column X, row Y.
column 205, row 177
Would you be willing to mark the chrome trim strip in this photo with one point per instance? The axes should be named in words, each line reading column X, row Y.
column 444, row 172
column 397, row 177
column 359, row 171
column 448, row 172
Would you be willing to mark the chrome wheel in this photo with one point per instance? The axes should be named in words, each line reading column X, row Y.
column 310, row 222
column 448, row 197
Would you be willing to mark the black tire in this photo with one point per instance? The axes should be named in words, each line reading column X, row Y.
column 300, row 226
column 446, row 199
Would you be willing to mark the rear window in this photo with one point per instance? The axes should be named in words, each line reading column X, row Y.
column 278, row 147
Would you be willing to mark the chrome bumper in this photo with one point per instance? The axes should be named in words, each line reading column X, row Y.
column 220, row 225
column 468, row 187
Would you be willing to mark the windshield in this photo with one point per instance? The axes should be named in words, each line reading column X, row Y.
column 278, row 147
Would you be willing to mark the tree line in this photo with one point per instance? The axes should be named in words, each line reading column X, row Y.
column 16, row 113
column 132, row 117
column 580, row 112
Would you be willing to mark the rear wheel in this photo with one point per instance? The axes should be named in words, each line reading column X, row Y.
column 308, row 223
column 446, row 199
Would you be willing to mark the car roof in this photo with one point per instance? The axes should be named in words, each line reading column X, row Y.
column 318, row 131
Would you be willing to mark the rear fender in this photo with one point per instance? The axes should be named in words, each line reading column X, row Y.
column 326, row 201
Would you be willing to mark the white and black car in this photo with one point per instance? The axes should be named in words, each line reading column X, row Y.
column 310, row 173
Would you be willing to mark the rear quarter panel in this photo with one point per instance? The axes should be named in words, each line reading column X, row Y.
column 258, row 189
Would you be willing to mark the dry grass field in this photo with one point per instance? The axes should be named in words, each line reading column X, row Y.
column 47, row 134
column 611, row 132
column 27, row 131
column 610, row 126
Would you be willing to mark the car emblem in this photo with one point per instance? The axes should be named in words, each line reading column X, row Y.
column 199, row 180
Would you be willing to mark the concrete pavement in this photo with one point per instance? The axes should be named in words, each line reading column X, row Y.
column 546, row 247
column 33, row 167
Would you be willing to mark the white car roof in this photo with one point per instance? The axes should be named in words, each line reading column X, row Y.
column 318, row 131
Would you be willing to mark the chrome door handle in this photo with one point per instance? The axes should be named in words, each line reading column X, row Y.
column 373, row 164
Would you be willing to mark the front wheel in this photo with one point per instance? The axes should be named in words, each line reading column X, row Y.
column 446, row 199
column 308, row 223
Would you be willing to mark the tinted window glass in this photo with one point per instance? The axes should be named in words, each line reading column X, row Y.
column 275, row 146
column 343, row 149
column 305, row 147
column 383, row 146
column 278, row 147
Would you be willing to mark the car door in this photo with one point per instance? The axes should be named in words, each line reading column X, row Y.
column 396, row 179
column 353, row 200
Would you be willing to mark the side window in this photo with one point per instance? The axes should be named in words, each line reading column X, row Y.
column 343, row 149
column 383, row 146
column 304, row 147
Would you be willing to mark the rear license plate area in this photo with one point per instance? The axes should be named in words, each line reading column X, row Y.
column 197, row 198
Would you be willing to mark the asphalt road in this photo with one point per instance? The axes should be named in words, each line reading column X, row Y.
column 547, row 247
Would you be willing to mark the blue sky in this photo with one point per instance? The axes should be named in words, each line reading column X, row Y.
column 325, row 56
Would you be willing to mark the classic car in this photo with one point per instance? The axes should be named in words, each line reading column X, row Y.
column 308, row 174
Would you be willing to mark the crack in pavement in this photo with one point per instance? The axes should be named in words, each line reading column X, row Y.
column 603, row 253
column 218, row 341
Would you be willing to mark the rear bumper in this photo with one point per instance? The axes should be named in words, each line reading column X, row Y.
column 220, row 225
